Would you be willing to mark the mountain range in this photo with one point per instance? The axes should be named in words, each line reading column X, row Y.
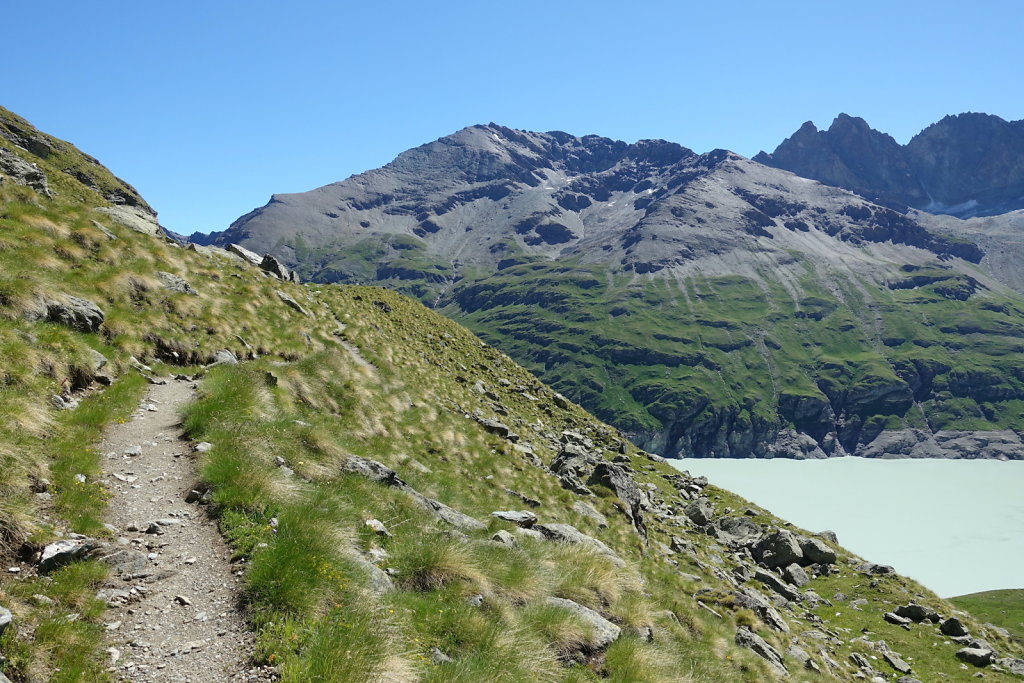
column 706, row 304
column 211, row 471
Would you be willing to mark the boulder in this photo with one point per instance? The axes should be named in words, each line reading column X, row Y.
column 896, row 662
column 700, row 511
column 778, row 585
column 79, row 314
column 816, row 552
column 566, row 533
column 225, row 357
column 173, row 283
column 372, row 470
column 1014, row 666
column 60, row 553
column 245, row 254
column 748, row 639
column 953, row 627
column 778, row 549
column 796, row 575
column 912, row 611
column 5, row 619
column 604, row 632
column 523, row 518
column 291, row 303
column 616, row 478
column 736, row 531
column 875, row 569
column 271, row 265
column 976, row 656
column 800, row 655
column 495, row 427
column 895, row 619
column 505, row 538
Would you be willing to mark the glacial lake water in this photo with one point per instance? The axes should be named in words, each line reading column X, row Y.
column 956, row 526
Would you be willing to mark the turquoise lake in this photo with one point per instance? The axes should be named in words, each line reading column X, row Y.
column 956, row 526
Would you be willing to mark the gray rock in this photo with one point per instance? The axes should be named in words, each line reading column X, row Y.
column 134, row 218
column 79, row 314
column 60, row 553
column 748, row 639
column 23, row 172
column 531, row 533
column 495, row 427
column 618, row 480
column 778, row 585
column 570, row 482
column 5, row 619
column 915, row 612
column 201, row 447
column 439, row 657
column 779, row 549
column 817, row 552
column 795, row 574
column 604, row 632
column 373, row 470
column 245, row 254
column 953, row 627
column 896, row 662
column 174, row 283
column 377, row 527
column 1014, row 666
column 271, row 265
column 291, row 303
column 505, row 538
column 736, row 531
column 907, row 679
column 976, row 656
column 448, row 514
column 378, row 580
column 587, row 510
column 124, row 561
column 895, row 619
column 802, row 657
column 225, row 357
column 566, row 533
column 700, row 511
column 523, row 518
column 875, row 569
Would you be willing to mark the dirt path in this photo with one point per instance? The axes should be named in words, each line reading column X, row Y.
column 175, row 609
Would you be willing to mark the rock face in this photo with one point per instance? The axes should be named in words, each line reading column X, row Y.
column 559, row 250
column 965, row 165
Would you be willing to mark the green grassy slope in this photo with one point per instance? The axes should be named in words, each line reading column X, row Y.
column 1004, row 608
column 714, row 366
column 367, row 373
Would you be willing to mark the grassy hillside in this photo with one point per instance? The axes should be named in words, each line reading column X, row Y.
column 1004, row 608
column 358, row 453
column 715, row 366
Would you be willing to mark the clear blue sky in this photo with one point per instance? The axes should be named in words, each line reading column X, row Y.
column 210, row 107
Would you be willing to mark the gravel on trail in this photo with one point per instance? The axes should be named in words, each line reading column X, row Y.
column 176, row 611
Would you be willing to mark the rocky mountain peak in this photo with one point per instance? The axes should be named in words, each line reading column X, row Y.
column 966, row 164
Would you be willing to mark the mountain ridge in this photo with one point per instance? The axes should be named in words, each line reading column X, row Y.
column 546, row 245
column 965, row 165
